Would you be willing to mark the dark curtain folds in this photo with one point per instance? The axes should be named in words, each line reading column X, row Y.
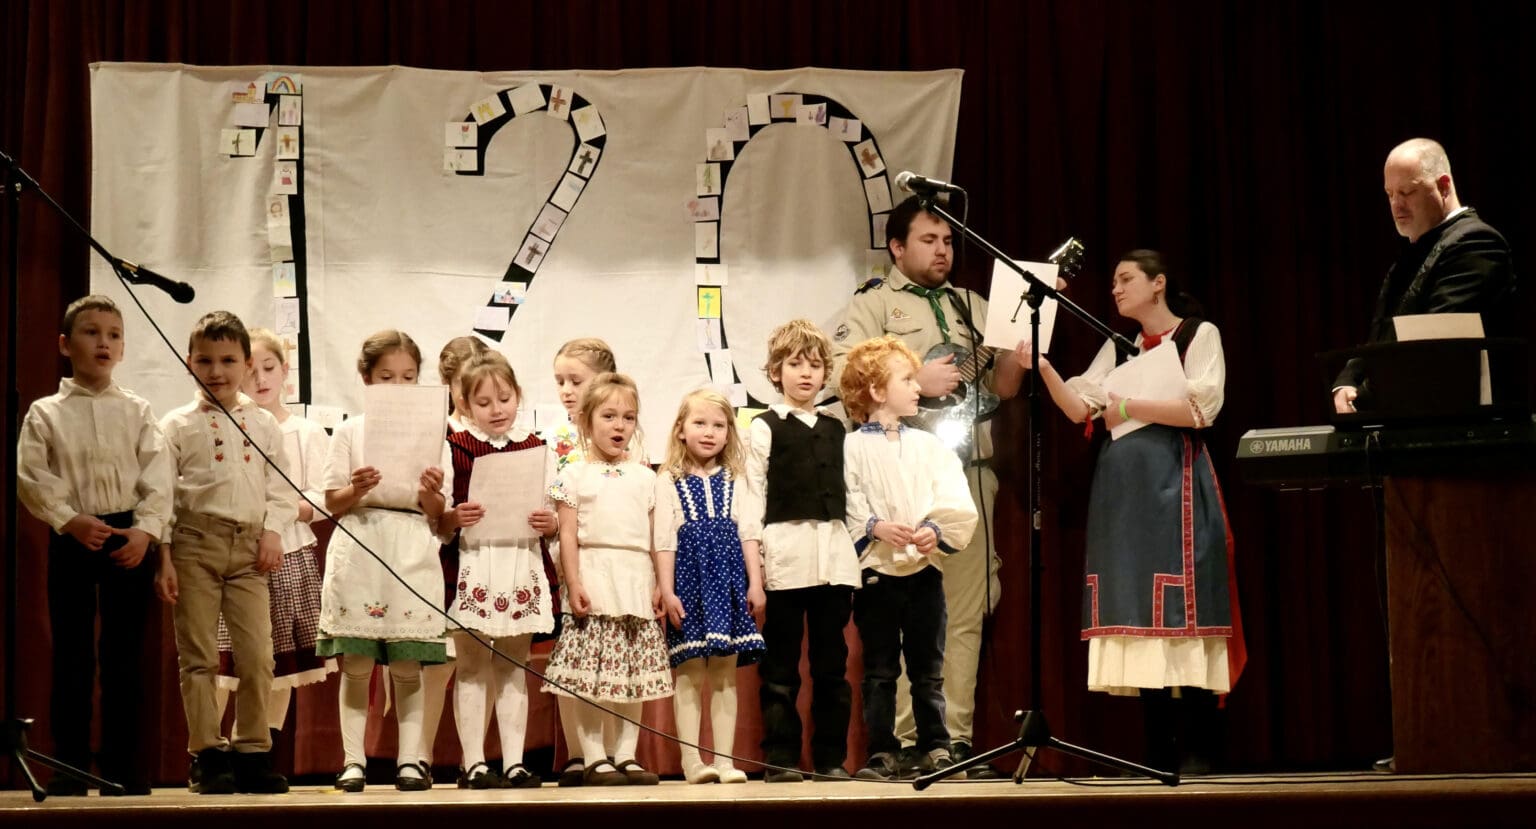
column 1244, row 140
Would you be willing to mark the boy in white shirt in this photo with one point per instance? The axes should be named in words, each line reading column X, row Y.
column 91, row 464
column 230, row 506
column 795, row 480
column 909, row 507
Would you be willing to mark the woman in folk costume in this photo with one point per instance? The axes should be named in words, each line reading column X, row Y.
column 1159, row 599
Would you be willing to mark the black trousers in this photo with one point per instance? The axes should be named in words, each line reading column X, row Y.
column 823, row 611
column 82, row 582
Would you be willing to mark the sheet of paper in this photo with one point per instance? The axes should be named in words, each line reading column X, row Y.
column 721, row 370
column 878, row 191
column 584, row 160
column 488, row 108
column 706, row 179
column 402, row 436
column 736, row 125
column 532, row 253
column 560, row 98
column 285, row 178
column 287, row 139
column 703, row 210
column 526, row 98
column 814, row 115
column 784, row 107
column 757, row 108
column 238, row 142
column 284, row 280
column 869, row 158
column 709, row 302
column 510, row 293
column 1007, row 317
column 848, row 129
column 706, row 240
column 718, row 145
column 461, row 134
column 711, row 274
column 1438, row 326
column 290, row 111
column 509, row 485
column 456, row 160
column 589, row 124
column 492, row 318
column 548, row 224
column 250, row 115
column 285, row 311
column 1448, row 327
column 1155, row 375
column 568, row 192
column 708, row 334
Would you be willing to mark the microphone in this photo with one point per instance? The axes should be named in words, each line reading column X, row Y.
column 910, row 182
column 140, row 275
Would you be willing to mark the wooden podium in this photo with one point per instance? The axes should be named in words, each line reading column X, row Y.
column 1461, row 596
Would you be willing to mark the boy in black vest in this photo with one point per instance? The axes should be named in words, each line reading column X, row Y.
column 795, row 477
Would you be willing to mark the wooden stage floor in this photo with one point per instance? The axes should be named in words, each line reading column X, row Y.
column 1249, row 802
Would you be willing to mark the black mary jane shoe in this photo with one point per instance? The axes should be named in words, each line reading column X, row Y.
column 352, row 784
column 573, row 774
column 417, row 783
column 479, row 777
column 519, row 777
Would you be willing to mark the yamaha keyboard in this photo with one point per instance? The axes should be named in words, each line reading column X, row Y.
column 1313, row 457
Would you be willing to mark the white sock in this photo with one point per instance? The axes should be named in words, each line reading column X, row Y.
column 434, row 693
column 512, row 697
column 408, row 703
column 356, row 670
column 471, row 692
column 627, row 734
column 589, row 731
column 570, row 715
column 277, row 707
column 687, row 707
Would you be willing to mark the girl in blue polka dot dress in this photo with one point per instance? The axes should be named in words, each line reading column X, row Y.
column 710, row 576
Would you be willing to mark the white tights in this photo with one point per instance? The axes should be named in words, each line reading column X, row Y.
column 406, row 676
column 485, row 678
column 687, row 705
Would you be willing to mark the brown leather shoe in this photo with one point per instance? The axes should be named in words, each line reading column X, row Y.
column 637, row 775
column 596, row 775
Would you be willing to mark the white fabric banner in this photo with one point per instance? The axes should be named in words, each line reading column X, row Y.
column 671, row 212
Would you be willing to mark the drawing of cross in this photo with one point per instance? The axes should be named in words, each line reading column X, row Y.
column 234, row 146
column 585, row 158
column 789, row 104
column 287, row 141
column 556, row 102
column 869, row 157
column 709, row 302
column 532, row 250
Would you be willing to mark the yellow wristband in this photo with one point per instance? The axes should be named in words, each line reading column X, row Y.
column 1123, row 415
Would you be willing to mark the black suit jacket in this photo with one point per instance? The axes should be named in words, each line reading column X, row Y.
column 1467, row 269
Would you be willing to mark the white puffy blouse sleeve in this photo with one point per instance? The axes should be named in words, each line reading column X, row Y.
column 1205, row 365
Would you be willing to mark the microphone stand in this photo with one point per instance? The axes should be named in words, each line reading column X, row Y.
column 1034, row 732
column 13, row 731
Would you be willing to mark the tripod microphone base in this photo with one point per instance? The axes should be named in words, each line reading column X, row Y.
column 13, row 739
column 1035, row 733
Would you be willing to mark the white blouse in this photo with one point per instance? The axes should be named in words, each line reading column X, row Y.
column 915, row 480
column 670, row 514
column 1204, row 365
